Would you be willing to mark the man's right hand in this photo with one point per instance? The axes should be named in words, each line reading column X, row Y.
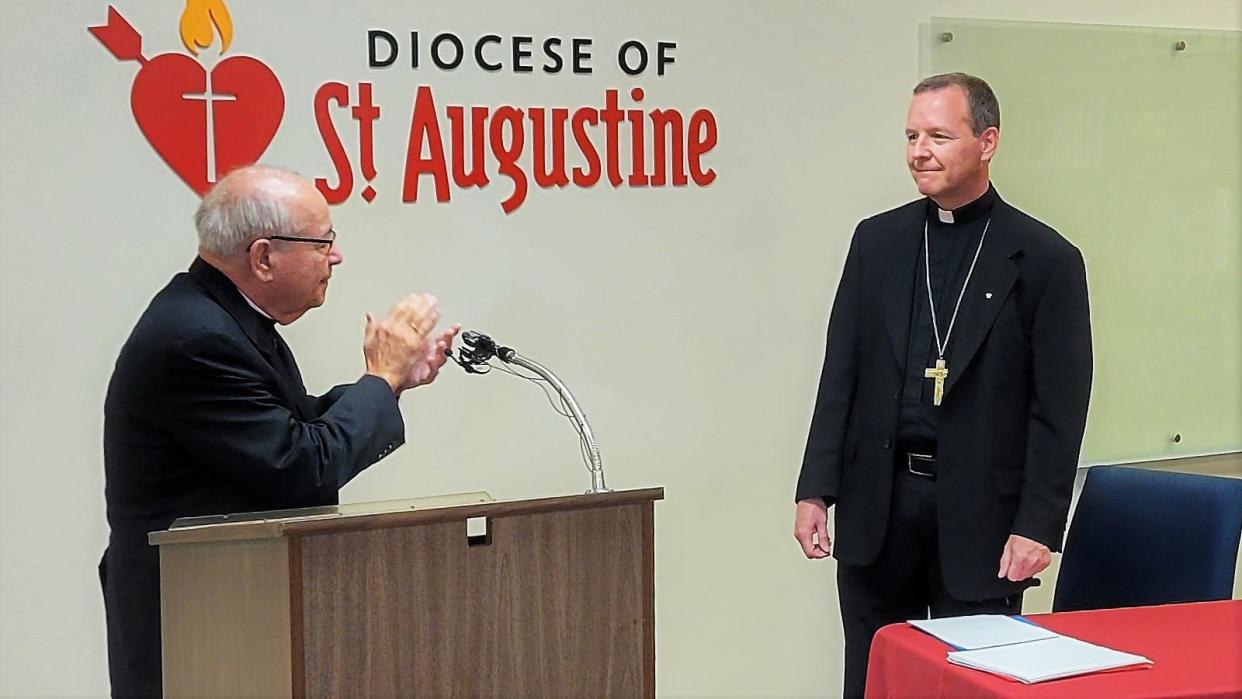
column 811, row 528
column 394, row 344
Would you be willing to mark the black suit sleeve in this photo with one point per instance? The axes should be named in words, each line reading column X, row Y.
column 221, row 406
column 822, row 461
column 1060, row 390
column 327, row 400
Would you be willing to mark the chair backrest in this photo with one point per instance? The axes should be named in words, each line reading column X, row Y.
column 1141, row 537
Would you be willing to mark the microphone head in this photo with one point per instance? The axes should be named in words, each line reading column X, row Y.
column 474, row 338
column 479, row 348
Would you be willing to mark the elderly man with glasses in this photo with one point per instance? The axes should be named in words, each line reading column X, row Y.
column 206, row 412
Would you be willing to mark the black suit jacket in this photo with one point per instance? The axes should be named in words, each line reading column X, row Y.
column 1015, row 402
column 203, row 417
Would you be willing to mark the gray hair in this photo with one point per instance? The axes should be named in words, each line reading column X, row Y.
column 246, row 204
column 984, row 109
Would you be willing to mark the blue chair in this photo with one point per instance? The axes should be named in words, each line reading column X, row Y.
column 1142, row 537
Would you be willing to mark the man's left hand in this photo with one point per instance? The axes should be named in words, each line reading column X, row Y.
column 434, row 356
column 1023, row 558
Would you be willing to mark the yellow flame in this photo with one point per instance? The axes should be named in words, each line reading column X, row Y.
column 198, row 20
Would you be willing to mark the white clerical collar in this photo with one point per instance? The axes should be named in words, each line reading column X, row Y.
column 945, row 216
column 255, row 306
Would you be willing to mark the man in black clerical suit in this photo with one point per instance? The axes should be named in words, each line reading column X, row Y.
column 206, row 412
column 954, row 391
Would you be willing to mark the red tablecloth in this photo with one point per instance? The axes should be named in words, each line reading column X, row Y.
column 1196, row 651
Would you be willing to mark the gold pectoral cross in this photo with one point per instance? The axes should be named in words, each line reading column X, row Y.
column 939, row 373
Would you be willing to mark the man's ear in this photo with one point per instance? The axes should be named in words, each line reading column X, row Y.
column 990, row 138
column 261, row 260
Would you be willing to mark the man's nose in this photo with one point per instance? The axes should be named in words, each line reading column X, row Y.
column 919, row 149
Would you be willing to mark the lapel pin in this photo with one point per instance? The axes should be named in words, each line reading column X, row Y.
column 987, row 294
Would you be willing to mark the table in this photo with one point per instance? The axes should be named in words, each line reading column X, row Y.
column 1196, row 649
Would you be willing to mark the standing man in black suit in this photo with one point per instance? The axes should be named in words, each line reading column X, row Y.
column 954, row 390
column 206, row 412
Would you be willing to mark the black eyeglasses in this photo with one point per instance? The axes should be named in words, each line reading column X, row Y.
column 323, row 244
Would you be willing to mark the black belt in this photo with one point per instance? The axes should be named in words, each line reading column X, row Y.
column 917, row 459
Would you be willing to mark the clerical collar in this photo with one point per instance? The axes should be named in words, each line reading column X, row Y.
column 975, row 210
column 212, row 277
column 254, row 305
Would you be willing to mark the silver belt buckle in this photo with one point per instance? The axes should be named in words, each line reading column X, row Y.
column 912, row 459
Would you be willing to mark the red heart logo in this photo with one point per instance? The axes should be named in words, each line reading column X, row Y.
column 203, row 134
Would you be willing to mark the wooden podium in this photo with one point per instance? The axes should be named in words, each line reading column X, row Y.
column 553, row 597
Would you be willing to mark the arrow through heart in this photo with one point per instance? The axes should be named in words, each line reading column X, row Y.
column 202, row 123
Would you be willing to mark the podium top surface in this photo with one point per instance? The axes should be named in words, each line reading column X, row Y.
column 378, row 515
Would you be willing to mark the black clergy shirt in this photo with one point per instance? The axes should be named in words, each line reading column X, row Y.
column 952, row 247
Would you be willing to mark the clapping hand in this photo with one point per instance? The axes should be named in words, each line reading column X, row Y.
column 434, row 355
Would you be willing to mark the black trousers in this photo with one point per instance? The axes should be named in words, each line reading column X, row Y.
column 130, row 576
column 904, row 582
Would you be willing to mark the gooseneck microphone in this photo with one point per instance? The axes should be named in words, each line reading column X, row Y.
column 477, row 351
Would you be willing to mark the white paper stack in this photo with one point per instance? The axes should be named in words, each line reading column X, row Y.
column 1022, row 651
column 981, row 630
column 1048, row 659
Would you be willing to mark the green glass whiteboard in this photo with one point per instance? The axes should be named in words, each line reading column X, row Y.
column 1129, row 142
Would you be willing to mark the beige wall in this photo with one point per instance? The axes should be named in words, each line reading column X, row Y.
column 694, row 341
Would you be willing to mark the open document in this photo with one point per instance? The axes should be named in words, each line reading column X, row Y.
column 1020, row 650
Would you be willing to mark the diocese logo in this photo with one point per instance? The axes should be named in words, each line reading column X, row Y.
column 202, row 113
